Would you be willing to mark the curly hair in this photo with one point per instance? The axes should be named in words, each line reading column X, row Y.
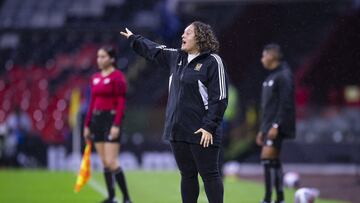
column 205, row 37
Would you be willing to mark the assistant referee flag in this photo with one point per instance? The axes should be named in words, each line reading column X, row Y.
column 85, row 168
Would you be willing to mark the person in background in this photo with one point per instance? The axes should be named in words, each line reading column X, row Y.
column 19, row 126
column 104, row 119
column 277, row 118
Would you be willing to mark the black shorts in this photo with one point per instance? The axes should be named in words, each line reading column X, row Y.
column 100, row 125
column 276, row 143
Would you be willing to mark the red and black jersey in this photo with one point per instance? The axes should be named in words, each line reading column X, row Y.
column 107, row 94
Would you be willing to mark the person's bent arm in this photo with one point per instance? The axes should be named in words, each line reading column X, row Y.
column 218, row 98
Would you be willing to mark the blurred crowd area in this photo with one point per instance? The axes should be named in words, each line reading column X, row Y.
column 48, row 53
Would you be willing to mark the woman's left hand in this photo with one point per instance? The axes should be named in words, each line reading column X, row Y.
column 206, row 137
column 114, row 132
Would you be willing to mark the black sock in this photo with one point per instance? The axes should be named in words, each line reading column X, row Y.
column 277, row 167
column 120, row 179
column 109, row 180
column 268, row 180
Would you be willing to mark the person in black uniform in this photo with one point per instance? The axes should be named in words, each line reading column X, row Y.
column 277, row 118
column 198, row 90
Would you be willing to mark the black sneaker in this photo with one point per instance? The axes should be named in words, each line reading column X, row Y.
column 279, row 201
column 127, row 201
column 109, row 201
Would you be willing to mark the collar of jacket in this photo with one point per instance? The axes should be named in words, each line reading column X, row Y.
column 281, row 66
column 201, row 55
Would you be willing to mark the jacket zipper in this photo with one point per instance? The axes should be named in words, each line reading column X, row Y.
column 179, row 93
column 182, row 73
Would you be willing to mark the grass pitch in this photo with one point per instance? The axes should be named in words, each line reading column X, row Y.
column 41, row 186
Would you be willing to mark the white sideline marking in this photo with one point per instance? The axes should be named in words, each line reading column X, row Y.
column 96, row 186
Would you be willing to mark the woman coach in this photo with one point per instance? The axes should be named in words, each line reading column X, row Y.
column 196, row 104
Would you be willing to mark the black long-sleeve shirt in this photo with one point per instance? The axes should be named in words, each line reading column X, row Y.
column 198, row 90
column 277, row 101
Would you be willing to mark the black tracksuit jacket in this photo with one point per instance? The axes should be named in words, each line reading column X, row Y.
column 198, row 91
column 277, row 102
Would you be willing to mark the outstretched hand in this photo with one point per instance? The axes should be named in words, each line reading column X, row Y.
column 126, row 34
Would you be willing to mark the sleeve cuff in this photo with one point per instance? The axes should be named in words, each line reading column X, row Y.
column 132, row 40
column 209, row 129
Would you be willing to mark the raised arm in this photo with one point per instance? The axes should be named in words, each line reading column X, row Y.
column 150, row 50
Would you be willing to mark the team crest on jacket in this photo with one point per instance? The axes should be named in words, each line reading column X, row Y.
column 198, row 67
column 107, row 81
column 96, row 81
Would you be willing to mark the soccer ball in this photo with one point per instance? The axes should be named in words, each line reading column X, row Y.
column 292, row 180
column 306, row 195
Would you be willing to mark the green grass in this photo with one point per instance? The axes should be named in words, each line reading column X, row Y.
column 37, row 186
